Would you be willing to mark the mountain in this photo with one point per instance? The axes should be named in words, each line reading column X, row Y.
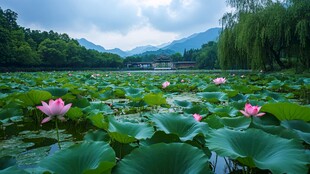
column 194, row 41
column 138, row 50
column 142, row 49
column 89, row 45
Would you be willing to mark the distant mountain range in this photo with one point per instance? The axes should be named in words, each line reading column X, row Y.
column 194, row 41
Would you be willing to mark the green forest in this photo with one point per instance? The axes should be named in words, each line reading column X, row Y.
column 260, row 35
column 20, row 47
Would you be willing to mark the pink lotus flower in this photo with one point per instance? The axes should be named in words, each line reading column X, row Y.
column 197, row 117
column 250, row 110
column 165, row 84
column 182, row 81
column 54, row 108
column 219, row 80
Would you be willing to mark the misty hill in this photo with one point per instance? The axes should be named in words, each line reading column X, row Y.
column 194, row 41
column 89, row 45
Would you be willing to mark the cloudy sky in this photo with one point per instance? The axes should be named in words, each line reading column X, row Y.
column 123, row 24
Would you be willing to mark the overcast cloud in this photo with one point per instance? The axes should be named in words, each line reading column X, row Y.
column 123, row 24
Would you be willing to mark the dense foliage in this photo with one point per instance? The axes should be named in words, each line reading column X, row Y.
column 266, row 34
column 20, row 47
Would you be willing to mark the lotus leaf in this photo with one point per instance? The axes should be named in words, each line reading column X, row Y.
column 87, row 157
column 174, row 158
column 256, row 148
column 186, row 127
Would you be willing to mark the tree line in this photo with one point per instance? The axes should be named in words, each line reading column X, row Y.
column 22, row 47
column 205, row 57
column 266, row 35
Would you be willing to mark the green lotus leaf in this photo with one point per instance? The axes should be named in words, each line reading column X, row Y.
column 276, row 130
column 236, row 123
column 174, row 158
column 223, row 111
column 87, row 157
column 213, row 97
column 98, row 120
column 7, row 161
column 134, row 94
column 197, row 109
column 7, row 114
column 302, row 128
column 244, row 89
column 90, row 82
column 126, row 132
column 98, row 135
column 210, row 88
column 55, row 91
column 186, row 127
column 273, row 96
column 160, row 137
column 13, row 169
column 34, row 97
column 256, row 148
column 154, row 99
column 214, row 122
column 184, row 103
column 80, row 102
column 98, row 107
column 106, row 95
column 75, row 113
column 119, row 92
column 287, row 111
column 239, row 98
column 231, row 93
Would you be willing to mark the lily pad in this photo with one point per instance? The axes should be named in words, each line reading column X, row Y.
column 174, row 158
column 185, row 127
column 287, row 111
column 213, row 97
column 256, row 148
column 126, row 132
column 88, row 157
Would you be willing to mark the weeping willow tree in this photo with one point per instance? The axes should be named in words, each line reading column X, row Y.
column 262, row 33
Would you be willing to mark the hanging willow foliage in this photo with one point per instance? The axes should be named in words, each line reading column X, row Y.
column 262, row 33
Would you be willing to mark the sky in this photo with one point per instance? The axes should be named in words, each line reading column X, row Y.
column 123, row 24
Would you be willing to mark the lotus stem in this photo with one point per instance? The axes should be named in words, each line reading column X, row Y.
column 57, row 133
column 227, row 164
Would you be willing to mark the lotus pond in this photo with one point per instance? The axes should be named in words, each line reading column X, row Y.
column 130, row 122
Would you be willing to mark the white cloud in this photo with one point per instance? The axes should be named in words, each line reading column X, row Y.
column 136, row 37
column 120, row 23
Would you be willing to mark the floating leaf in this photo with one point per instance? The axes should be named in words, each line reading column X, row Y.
column 55, row 91
column 174, row 158
column 98, row 107
column 134, row 94
column 287, row 111
column 185, row 127
column 197, row 109
column 184, row 104
column 256, row 148
column 302, row 128
column 154, row 99
column 75, row 113
column 88, row 157
column 34, row 97
column 213, row 97
column 13, row 169
column 125, row 132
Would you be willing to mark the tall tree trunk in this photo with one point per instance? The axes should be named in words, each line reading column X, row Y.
column 276, row 55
